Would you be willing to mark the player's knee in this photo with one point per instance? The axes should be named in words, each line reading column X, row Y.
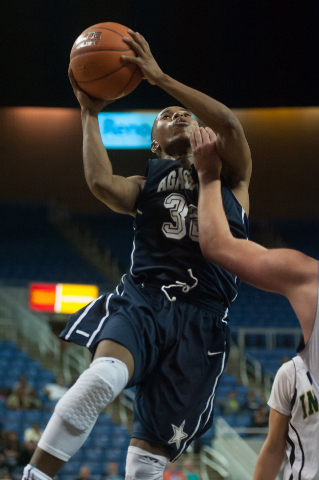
column 142, row 465
column 94, row 390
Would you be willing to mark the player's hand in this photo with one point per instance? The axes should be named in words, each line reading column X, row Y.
column 93, row 105
column 203, row 143
column 144, row 59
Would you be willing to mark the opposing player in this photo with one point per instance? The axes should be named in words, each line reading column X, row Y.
column 165, row 327
column 293, row 426
column 283, row 271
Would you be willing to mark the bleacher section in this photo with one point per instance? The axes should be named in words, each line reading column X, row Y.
column 271, row 360
column 112, row 231
column 31, row 249
column 107, row 441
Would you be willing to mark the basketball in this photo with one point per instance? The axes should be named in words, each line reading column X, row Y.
column 96, row 64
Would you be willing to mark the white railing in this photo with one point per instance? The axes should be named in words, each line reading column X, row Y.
column 211, row 459
column 249, row 364
column 75, row 360
column 269, row 332
column 34, row 331
column 242, row 459
column 126, row 403
column 30, row 326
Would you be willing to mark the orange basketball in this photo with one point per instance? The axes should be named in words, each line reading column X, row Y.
column 95, row 61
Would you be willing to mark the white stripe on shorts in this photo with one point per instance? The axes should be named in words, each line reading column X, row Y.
column 88, row 308
column 101, row 322
column 209, row 405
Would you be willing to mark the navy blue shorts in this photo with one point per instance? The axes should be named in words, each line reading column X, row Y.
column 180, row 350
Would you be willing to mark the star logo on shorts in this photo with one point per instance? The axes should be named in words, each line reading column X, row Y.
column 179, row 434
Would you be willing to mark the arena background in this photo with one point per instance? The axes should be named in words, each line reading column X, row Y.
column 260, row 59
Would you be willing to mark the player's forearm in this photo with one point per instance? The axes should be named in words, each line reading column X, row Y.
column 240, row 257
column 214, row 230
column 269, row 462
column 211, row 112
column 97, row 166
column 281, row 268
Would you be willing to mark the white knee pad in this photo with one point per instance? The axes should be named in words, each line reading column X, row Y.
column 142, row 465
column 94, row 389
column 77, row 411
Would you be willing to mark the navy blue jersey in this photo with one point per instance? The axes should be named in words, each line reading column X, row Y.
column 166, row 248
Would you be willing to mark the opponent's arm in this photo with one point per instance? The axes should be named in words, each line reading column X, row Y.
column 118, row 193
column 232, row 145
column 283, row 271
column 272, row 452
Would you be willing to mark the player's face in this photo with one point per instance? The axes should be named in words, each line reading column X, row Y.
column 174, row 124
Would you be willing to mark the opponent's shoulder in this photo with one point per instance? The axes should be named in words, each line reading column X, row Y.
column 287, row 370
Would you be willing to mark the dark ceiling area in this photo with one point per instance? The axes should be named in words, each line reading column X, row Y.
column 244, row 53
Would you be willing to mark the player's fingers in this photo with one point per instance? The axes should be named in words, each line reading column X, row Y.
column 131, row 58
column 134, row 45
column 192, row 140
column 211, row 133
column 198, row 137
column 139, row 39
column 204, row 135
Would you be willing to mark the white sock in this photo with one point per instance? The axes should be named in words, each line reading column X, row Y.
column 32, row 473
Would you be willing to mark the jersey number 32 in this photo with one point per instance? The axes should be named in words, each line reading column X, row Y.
column 177, row 205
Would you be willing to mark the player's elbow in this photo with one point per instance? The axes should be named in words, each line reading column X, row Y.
column 231, row 124
column 97, row 187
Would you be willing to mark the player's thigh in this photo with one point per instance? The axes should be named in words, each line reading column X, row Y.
column 110, row 348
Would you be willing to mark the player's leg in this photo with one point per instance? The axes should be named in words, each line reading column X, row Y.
column 145, row 461
column 77, row 411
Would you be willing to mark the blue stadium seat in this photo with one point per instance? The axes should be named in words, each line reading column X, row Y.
column 15, row 415
column 208, row 436
column 122, row 468
column 8, row 382
column 71, row 467
column 223, row 391
column 68, row 476
column 120, row 430
column 103, row 441
column 97, row 476
column 104, row 419
column 100, row 430
column 7, row 346
column 115, row 455
column 243, row 420
column 94, row 454
column 32, row 416
column 231, row 420
column 228, row 379
column 121, row 442
column 95, row 467
column 46, row 376
column 79, row 455
column 14, row 427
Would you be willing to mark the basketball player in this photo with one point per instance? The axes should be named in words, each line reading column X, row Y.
column 165, row 327
column 293, row 426
column 283, row 271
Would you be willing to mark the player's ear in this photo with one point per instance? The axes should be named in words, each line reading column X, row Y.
column 155, row 147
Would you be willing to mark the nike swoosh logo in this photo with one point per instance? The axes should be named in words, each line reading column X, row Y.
column 213, row 353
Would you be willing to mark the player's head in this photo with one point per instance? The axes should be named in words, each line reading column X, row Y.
column 170, row 132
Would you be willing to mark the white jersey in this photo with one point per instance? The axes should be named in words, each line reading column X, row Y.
column 310, row 353
column 293, row 396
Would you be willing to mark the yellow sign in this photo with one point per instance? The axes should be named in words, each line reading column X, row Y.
column 70, row 298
